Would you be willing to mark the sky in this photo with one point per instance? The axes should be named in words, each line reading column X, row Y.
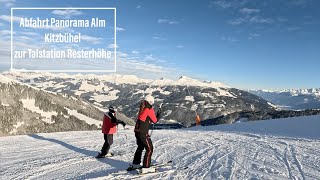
column 248, row 44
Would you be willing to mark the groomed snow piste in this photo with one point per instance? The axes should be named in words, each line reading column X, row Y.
column 273, row 149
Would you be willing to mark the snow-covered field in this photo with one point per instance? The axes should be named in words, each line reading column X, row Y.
column 274, row 149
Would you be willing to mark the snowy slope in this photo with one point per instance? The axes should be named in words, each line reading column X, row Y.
column 275, row 149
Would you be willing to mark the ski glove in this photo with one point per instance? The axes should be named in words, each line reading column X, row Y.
column 158, row 113
column 123, row 124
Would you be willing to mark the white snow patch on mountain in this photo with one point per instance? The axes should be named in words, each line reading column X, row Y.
column 223, row 92
column 48, row 84
column 187, row 81
column 201, row 102
column 85, row 118
column 167, row 112
column 112, row 95
column 18, row 124
column 4, row 79
column 152, row 89
column 171, row 121
column 208, row 95
column 30, row 105
column 273, row 105
column 4, row 104
column 90, row 87
column 189, row 98
column 194, row 107
column 208, row 106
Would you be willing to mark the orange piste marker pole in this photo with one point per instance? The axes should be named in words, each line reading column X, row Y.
column 198, row 120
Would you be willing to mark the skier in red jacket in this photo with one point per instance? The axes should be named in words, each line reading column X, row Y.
column 145, row 117
column 108, row 129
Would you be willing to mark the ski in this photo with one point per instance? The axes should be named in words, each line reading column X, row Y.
column 109, row 155
column 157, row 165
column 161, row 169
column 161, row 164
column 142, row 172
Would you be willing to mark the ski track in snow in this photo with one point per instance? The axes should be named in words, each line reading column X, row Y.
column 208, row 152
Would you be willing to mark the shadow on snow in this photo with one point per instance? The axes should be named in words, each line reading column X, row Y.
column 116, row 164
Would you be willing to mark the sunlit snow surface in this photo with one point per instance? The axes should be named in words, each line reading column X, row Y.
column 273, row 149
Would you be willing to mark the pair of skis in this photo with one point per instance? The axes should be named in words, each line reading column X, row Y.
column 159, row 167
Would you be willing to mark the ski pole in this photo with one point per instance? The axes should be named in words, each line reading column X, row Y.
column 153, row 123
column 125, row 134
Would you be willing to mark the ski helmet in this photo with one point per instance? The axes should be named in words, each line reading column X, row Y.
column 149, row 99
column 112, row 109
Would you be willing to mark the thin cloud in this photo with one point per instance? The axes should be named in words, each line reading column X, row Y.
column 299, row 2
column 252, row 20
column 7, row 3
column 180, row 46
column 167, row 21
column 91, row 39
column 220, row 3
column 229, row 39
column 249, row 11
column 254, row 36
column 225, row 4
column 135, row 52
column 24, row 38
column 112, row 46
column 18, row 19
column 4, row 48
column 8, row 18
column 159, row 38
column 149, row 57
column 5, row 32
column 148, row 69
column 296, row 28
column 282, row 19
column 257, row 19
column 67, row 13
column 119, row 29
column 237, row 21
column 138, row 7
column 29, row 33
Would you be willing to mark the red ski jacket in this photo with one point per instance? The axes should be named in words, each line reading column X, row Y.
column 148, row 113
column 107, row 126
column 144, row 119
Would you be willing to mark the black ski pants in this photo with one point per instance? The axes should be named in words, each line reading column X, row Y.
column 108, row 141
column 143, row 142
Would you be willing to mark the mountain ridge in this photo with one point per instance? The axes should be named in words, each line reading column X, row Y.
column 295, row 99
column 180, row 98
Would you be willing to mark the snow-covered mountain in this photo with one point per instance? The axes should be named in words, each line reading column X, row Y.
column 292, row 98
column 27, row 109
column 180, row 98
column 273, row 149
